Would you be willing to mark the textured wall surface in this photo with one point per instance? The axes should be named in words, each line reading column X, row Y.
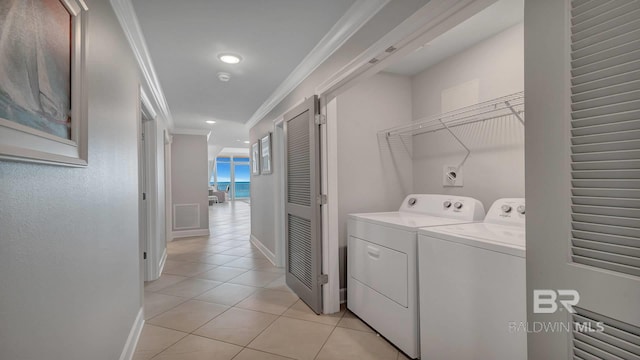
column 69, row 266
column 373, row 174
column 495, row 168
column 189, row 174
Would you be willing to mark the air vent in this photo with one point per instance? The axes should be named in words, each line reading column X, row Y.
column 186, row 216
column 597, row 337
column 605, row 134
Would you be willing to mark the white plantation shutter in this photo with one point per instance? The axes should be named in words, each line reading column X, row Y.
column 605, row 134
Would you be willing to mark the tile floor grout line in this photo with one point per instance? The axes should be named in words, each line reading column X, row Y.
column 325, row 342
column 199, row 249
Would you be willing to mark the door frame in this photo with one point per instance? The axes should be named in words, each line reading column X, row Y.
column 149, row 158
column 429, row 22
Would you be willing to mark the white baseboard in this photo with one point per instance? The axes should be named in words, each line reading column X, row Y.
column 134, row 336
column 343, row 296
column 264, row 250
column 162, row 262
column 189, row 233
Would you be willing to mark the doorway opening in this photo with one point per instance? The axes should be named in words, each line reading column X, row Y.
column 232, row 175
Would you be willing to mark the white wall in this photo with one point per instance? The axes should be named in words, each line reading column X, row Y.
column 495, row 167
column 373, row 174
column 69, row 252
column 189, row 171
column 263, row 188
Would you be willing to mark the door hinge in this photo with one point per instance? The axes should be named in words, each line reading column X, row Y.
column 144, row 196
column 323, row 279
column 320, row 119
column 144, row 255
column 322, row 199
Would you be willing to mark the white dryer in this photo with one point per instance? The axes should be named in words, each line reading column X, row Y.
column 382, row 282
column 473, row 287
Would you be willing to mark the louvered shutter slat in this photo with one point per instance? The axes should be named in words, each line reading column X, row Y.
column 605, row 145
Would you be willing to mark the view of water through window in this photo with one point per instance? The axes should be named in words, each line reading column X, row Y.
column 241, row 174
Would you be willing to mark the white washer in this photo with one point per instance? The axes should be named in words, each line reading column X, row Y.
column 473, row 287
column 382, row 283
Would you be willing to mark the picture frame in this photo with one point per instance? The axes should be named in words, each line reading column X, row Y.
column 255, row 158
column 265, row 155
column 23, row 135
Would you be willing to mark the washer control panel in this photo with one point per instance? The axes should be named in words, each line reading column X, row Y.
column 507, row 211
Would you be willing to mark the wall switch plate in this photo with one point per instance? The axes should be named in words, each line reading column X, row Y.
column 452, row 176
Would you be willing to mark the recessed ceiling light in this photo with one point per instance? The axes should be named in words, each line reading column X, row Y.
column 210, row 122
column 229, row 58
column 246, row 142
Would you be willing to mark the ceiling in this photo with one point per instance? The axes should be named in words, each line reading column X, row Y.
column 185, row 37
column 500, row 16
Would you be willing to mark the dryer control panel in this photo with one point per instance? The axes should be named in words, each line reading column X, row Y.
column 508, row 211
column 457, row 207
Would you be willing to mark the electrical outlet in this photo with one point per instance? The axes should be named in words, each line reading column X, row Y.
column 452, row 176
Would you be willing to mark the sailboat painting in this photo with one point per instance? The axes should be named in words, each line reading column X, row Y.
column 35, row 65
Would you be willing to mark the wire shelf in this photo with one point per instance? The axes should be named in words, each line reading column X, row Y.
column 510, row 105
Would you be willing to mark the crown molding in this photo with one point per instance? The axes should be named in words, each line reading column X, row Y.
column 129, row 22
column 353, row 19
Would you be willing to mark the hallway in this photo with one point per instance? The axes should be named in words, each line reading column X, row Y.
column 220, row 298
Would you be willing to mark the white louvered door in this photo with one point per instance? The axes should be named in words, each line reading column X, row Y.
column 302, row 190
column 596, row 248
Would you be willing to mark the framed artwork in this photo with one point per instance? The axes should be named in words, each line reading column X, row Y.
column 255, row 158
column 265, row 155
column 43, row 102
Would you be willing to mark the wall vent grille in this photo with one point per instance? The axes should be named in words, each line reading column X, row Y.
column 186, row 216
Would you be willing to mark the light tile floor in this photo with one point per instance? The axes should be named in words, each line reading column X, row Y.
column 220, row 298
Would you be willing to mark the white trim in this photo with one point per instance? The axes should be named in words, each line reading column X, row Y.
column 264, row 250
column 163, row 261
column 330, row 229
column 134, row 336
column 343, row 296
column 129, row 22
column 168, row 214
column 150, row 151
column 429, row 22
column 183, row 131
column 353, row 19
column 147, row 109
column 279, row 121
column 189, row 233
